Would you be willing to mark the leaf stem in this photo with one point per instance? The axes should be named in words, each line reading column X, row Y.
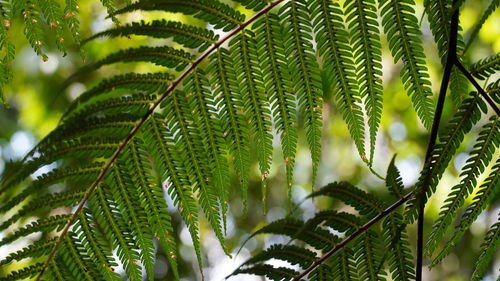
column 136, row 128
column 478, row 87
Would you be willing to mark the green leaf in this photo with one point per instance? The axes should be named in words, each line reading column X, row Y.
column 365, row 42
column 403, row 33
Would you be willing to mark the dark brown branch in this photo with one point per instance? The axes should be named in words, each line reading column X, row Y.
column 451, row 58
column 478, row 87
column 354, row 235
column 134, row 130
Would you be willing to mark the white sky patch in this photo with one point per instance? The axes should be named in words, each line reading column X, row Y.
column 49, row 66
column 410, row 170
column 21, row 143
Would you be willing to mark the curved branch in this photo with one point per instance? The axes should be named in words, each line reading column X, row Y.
column 136, row 128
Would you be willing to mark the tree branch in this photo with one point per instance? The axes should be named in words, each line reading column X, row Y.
column 136, row 128
column 478, row 87
column 450, row 60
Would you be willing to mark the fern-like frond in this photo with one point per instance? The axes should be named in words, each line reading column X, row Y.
column 271, row 272
column 165, row 56
column 339, row 221
column 493, row 90
column 317, row 237
column 22, row 274
column 461, row 123
column 366, row 204
column 439, row 14
column 403, row 33
column 52, row 200
column 96, row 246
column 186, row 35
column 333, row 46
column 192, row 150
column 234, row 123
column 33, row 25
column 147, row 83
column 488, row 248
column 290, row 253
column 487, row 141
column 485, row 67
column 205, row 107
column 173, row 169
column 71, row 11
column 37, row 249
column 115, row 230
column 150, row 206
column 214, row 12
column 483, row 195
column 400, row 258
column 368, row 255
column 302, row 63
column 484, row 17
column 393, row 180
column 47, row 224
column 278, row 83
column 365, row 41
column 344, row 265
column 53, row 15
column 255, row 100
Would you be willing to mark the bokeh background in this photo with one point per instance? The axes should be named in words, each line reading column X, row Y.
column 36, row 102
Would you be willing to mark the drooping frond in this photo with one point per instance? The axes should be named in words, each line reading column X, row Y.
column 278, row 83
column 323, row 232
column 488, row 248
column 439, row 14
column 484, row 17
column 302, row 63
column 115, row 230
column 205, row 107
column 333, row 45
column 54, row 18
column 317, row 237
column 271, row 272
column 47, row 224
column 214, row 12
column 486, row 67
column 403, row 33
column 186, row 35
column 483, row 195
column 368, row 256
column 480, row 157
column 234, row 124
column 461, row 123
column 190, row 147
column 289, row 253
column 366, row 204
column 493, row 90
column 394, row 181
column 365, row 41
column 400, row 258
column 255, row 101
column 147, row 83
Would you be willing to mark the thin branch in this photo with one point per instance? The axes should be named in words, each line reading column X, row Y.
column 451, row 58
column 351, row 237
column 134, row 130
column 478, row 87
